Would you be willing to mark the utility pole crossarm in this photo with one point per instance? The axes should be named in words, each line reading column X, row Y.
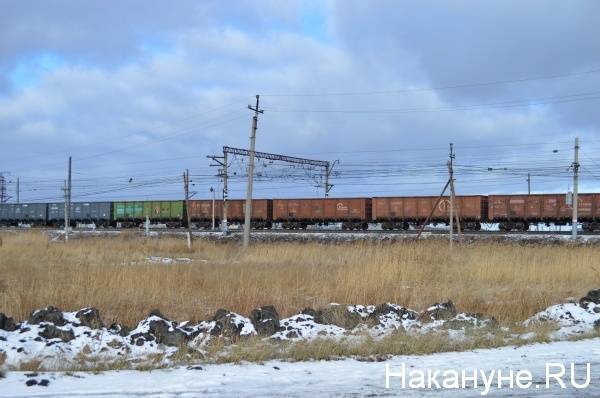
column 273, row 156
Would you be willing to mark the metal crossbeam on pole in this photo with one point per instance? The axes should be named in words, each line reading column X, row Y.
column 273, row 156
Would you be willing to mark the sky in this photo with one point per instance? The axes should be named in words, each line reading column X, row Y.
column 138, row 91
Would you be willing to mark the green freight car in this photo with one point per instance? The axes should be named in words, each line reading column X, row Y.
column 169, row 212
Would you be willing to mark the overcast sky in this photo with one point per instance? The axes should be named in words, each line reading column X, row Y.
column 138, row 91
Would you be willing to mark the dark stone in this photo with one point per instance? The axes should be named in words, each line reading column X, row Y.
column 220, row 314
column 593, row 296
column 2, row 338
column 156, row 312
column 44, row 383
column 276, row 367
column 338, row 315
column 310, row 311
column 23, row 330
column 225, row 326
column 167, row 334
column 31, row 382
column 20, row 349
column 7, row 323
column 121, row 330
column 597, row 325
column 265, row 320
column 196, row 367
column 52, row 332
column 49, row 314
column 386, row 308
column 141, row 338
column 34, row 374
column 90, row 317
column 471, row 320
column 439, row 311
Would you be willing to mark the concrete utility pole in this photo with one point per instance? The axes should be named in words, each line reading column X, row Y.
column 186, row 188
column 575, row 189
column 248, row 215
column 65, row 189
column 213, row 207
column 454, row 216
column 528, row 184
column 225, row 195
column 450, row 163
column 69, row 188
column 18, row 189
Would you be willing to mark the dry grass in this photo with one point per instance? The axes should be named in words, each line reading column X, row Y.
column 507, row 281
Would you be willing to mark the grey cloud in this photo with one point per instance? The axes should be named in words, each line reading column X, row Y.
column 223, row 55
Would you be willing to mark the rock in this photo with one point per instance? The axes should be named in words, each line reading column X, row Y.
column 49, row 314
column 121, row 330
column 156, row 312
column 309, row 311
column 167, row 334
column 7, row 323
column 227, row 325
column 265, row 320
column 387, row 308
column 593, row 296
column 140, row 339
column 90, row 317
column 597, row 325
column 44, row 383
column 52, row 332
column 468, row 320
column 338, row 315
column 439, row 311
column 31, row 382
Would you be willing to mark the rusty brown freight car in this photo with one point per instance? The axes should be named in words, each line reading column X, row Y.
column 353, row 213
column 518, row 212
column 403, row 211
column 201, row 212
column 262, row 211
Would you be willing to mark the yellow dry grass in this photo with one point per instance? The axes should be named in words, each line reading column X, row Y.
column 507, row 281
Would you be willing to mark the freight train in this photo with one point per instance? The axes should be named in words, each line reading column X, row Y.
column 510, row 212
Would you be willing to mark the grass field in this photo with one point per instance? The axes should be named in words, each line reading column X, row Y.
column 510, row 282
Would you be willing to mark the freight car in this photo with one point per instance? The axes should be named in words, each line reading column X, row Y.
column 261, row 216
column 404, row 212
column 98, row 213
column 353, row 213
column 134, row 213
column 201, row 212
column 13, row 214
column 518, row 212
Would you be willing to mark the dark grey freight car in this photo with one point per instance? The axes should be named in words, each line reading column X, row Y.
column 23, row 213
column 98, row 213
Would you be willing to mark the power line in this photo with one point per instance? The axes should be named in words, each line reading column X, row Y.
column 437, row 88
column 592, row 95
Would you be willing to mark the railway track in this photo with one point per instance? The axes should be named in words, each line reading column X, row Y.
column 308, row 231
